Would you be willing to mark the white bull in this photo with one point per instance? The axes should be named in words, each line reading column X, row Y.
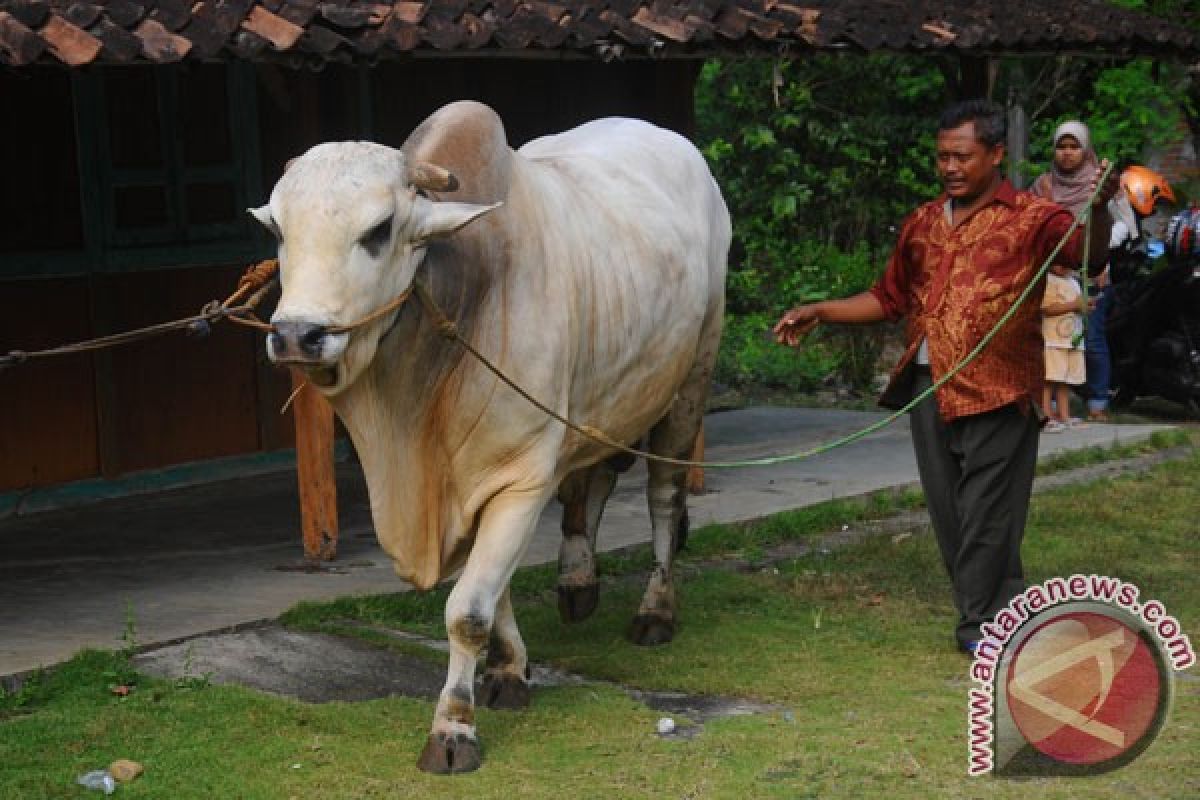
column 590, row 267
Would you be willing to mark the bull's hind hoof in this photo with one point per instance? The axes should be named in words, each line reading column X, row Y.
column 504, row 691
column 648, row 630
column 577, row 603
column 445, row 754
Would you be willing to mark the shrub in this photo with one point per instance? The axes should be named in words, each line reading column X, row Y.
column 750, row 356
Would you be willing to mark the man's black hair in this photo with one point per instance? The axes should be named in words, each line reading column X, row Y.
column 991, row 124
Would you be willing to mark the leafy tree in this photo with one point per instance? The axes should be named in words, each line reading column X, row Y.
column 820, row 159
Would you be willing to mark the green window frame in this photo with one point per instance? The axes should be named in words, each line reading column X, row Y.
column 183, row 236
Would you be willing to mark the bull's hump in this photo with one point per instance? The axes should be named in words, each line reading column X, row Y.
column 468, row 139
column 600, row 136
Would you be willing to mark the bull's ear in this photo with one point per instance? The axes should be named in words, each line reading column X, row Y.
column 443, row 219
column 263, row 215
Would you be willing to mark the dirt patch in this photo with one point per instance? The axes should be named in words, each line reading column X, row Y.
column 313, row 667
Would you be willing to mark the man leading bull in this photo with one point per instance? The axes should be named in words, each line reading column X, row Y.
column 959, row 264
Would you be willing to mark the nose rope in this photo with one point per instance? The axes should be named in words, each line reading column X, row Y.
column 260, row 274
column 374, row 315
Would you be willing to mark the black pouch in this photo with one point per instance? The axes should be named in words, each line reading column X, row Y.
column 900, row 389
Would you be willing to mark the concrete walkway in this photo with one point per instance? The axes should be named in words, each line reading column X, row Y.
column 193, row 560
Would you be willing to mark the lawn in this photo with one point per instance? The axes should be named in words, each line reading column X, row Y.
column 852, row 646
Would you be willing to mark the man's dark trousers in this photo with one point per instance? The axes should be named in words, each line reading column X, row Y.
column 977, row 473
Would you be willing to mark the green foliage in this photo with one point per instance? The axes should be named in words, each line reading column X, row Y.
column 815, row 271
column 1135, row 106
column 749, row 355
column 817, row 158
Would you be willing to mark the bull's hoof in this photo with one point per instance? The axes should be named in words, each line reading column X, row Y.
column 576, row 603
column 502, row 690
column 650, row 629
column 446, row 753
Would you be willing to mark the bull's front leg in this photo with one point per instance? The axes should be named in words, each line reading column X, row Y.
column 479, row 599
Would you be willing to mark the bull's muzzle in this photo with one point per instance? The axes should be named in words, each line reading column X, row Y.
column 298, row 342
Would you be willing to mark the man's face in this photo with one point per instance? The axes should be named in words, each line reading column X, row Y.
column 966, row 166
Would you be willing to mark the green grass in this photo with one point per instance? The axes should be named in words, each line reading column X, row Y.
column 856, row 643
column 1088, row 456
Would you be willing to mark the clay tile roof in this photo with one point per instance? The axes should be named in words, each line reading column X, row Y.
column 311, row 31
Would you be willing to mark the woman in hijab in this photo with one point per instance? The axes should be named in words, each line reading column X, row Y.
column 1069, row 183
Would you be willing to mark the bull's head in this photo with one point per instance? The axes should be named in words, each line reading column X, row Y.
column 352, row 227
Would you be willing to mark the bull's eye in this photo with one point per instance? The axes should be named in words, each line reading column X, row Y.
column 374, row 240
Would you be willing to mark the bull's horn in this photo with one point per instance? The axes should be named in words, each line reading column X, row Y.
column 423, row 175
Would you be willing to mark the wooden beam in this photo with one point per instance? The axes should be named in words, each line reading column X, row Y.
column 314, row 471
column 1018, row 133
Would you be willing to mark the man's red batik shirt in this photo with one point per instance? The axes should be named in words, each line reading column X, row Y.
column 953, row 284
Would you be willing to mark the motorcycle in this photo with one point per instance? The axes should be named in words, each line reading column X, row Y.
column 1153, row 324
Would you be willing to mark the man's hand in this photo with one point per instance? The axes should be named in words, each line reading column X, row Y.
column 1112, row 185
column 794, row 325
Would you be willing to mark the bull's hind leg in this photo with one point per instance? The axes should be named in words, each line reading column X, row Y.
column 666, row 493
column 479, row 598
column 583, row 494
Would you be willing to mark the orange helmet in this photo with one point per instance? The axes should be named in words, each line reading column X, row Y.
column 1144, row 187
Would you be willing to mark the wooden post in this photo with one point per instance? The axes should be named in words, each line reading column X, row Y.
column 1018, row 133
column 314, row 471
column 695, row 475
